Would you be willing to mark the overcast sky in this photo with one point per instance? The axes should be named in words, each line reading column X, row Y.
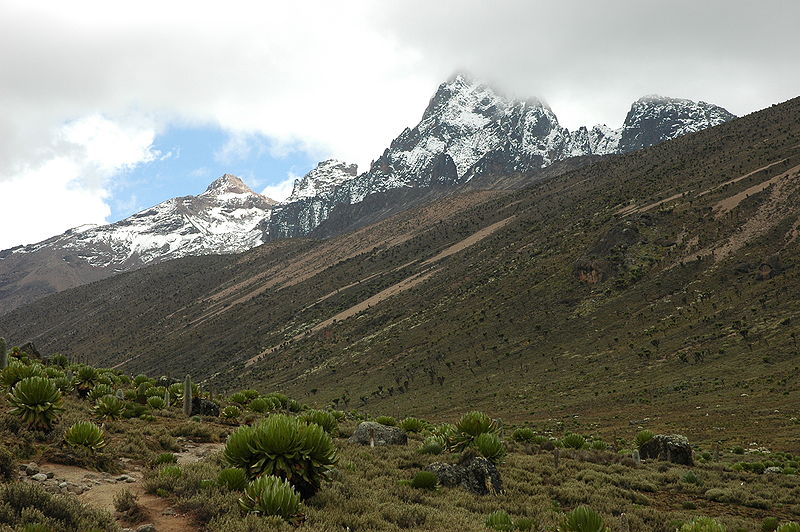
column 108, row 107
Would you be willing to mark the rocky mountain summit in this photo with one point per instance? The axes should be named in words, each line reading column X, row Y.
column 468, row 130
column 227, row 218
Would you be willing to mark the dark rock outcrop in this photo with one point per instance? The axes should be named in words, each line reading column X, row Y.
column 204, row 407
column 475, row 474
column 369, row 432
column 669, row 448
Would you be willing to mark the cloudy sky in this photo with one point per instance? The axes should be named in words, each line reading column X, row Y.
column 110, row 107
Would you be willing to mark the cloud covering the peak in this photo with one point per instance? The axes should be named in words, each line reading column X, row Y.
column 86, row 86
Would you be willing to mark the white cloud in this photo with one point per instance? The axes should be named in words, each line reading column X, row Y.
column 342, row 79
column 280, row 191
column 69, row 184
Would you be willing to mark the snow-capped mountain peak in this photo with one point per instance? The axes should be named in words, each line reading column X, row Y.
column 227, row 184
column 322, row 180
column 653, row 119
column 227, row 218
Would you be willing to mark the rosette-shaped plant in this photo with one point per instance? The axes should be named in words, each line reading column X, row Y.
column 322, row 418
column 270, row 495
column 109, row 407
column 470, row 426
column 37, row 401
column 85, row 434
column 286, row 447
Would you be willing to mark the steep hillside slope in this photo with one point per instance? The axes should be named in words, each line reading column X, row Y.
column 657, row 284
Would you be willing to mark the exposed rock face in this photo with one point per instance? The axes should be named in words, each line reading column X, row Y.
column 654, row 119
column 470, row 130
column 476, row 474
column 369, row 432
column 669, row 448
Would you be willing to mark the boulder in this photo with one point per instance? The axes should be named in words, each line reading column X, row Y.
column 368, row 432
column 39, row 477
column 669, row 448
column 204, row 407
column 475, row 474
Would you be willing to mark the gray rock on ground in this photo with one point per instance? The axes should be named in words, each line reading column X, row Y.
column 669, row 448
column 475, row 474
column 369, row 431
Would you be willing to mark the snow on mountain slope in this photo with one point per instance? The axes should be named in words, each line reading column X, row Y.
column 226, row 218
column 654, row 119
column 322, row 180
column 469, row 129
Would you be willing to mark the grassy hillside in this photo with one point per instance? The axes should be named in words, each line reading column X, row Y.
column 654, row 289
column 143, row 459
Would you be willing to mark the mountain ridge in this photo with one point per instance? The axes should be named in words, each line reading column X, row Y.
column 468, row 132
column 653, row 282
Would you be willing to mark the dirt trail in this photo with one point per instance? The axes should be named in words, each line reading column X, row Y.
column 103, row 487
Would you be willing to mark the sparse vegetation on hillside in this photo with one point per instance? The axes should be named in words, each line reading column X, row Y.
column 382, row 488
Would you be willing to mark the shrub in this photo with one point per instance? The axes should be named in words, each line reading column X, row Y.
column 702, row 524
column 156, row 402
column 230, row 412
column 37, row 401
column 270, row 495
column 8, row 469
column 109, row 407
column 239, row 398
column 790, row 526
column 156, row 391
column 643, row 436
column 172, row 471
column 260, row 405
column 64, row 385
column 127, row 504
column 141, row 379
column 86, row 379
column 322, row 418
column 286, row 447
column 252, row 394
column 165, row 458
column 738, row 449
column 232, row 479
column 425, row 480
column 433, row 445
column 598, row 445
column 56, row 512
column 17, row 371
column 389, row 421
column 573, row 441
column 490, row 446
column 85, row 434
column 524, row 523
column 412, row 424
column 499, row 520
column 99, row 391
column 470, row 426
column 59, row 360
column 770, row 524
column 583, row 519
column 523, row 435
column 691, row 478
